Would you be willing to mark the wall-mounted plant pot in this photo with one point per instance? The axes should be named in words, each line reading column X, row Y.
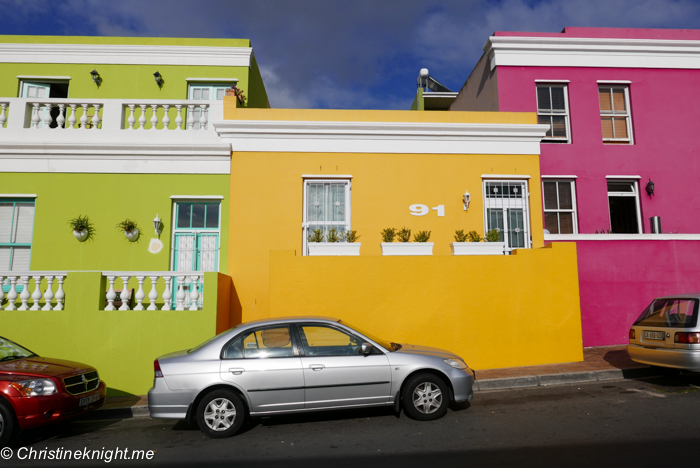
column 407, row 248
column 334, row 248
column 478, row 248
column 81, row 235
column 133, row 236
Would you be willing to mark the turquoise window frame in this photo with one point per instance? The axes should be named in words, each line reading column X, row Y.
column 13, row 245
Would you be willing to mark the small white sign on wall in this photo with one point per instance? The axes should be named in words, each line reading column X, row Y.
column 422, row 210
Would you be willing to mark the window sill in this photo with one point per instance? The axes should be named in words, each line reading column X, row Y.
column 610, row 237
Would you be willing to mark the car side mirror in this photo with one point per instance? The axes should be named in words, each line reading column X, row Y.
column 366, row 348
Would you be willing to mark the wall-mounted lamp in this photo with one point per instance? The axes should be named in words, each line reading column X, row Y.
column 466, row 197
column 650, row 188
column 96, row 77
column 157, row 225
column 159, row 79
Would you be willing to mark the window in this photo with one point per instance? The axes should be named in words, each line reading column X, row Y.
column 326, row 206
column 320, row 340
column 553, row 110
column 205, row 92
column 623, row 197
column 506, row 211
column 559, row 207
column 196, row 236
column 614, row 114
column 261, row 343
column 16, row 228
column 673, row 313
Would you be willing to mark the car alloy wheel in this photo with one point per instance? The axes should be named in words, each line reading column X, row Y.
column 7, row 424
column 220, row 414
column 425, row 397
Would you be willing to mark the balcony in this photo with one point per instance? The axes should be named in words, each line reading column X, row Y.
column 108, row 114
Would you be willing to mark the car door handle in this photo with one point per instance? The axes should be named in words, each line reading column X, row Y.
column 236, row 370
column 316, row 367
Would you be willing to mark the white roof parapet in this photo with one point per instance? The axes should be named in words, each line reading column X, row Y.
column 592, row 52
column 99, row 54
column 381, row 137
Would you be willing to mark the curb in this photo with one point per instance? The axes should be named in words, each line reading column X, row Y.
column 564, row 378
column 137, row 411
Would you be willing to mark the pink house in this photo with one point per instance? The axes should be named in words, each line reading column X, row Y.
column 622, row 107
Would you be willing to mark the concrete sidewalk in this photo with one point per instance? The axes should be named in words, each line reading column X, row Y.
column 599, row 364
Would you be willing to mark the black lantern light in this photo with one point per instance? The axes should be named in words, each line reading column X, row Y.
column 159, row 79
column 96, row 77
column 649, row 188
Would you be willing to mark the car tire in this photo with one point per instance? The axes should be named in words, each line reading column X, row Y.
column 7, row 423
column 220, row 414
column 425, row 397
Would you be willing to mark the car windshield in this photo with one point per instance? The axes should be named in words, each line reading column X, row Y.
column 9, row 351
column 385, row 344
column 670, row 313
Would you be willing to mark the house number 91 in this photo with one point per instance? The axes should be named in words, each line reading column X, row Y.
column 422, row 210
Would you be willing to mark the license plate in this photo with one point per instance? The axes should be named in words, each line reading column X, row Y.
column 654, row 335
column 89, row 399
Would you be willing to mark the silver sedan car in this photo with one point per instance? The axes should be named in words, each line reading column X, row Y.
column 298, row 364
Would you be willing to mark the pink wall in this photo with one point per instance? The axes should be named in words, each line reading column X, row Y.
column 617, row 279
column 664, row 107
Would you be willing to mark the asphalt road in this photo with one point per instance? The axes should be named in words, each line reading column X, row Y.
column 654, row 423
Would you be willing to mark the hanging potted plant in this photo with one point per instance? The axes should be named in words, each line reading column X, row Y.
column 336, row 244
column 470, row 243
column 419, row 246
column 82, row 228
column 130, row 228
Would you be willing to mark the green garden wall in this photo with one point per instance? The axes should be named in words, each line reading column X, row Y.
column 108, row 199
column 121, row 345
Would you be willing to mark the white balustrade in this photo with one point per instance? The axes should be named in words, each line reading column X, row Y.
column 39, row 281
column 108, row 114
column 3, row 113
column 186, row 287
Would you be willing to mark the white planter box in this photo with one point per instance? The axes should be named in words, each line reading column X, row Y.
column 407, row 248
column 478, row 248
column 334, row 248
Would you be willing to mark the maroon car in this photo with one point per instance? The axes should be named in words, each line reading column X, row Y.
column 35, row 391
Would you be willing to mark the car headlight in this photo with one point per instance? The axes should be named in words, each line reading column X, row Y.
column 456, row 363
column 35, row 387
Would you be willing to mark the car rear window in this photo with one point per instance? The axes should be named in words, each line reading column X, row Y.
column 670, row 313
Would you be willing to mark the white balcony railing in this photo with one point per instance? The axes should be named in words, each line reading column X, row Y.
column 20, row 284
column 112, row 114
column 185, row 289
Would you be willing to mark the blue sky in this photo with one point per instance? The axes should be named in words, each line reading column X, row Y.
column 344, row 54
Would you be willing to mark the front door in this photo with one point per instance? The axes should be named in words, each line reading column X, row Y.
column 337, row 374
column 265, row 364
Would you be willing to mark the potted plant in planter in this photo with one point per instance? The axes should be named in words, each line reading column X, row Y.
column 421, row 246
column 82, row 228
column 130, row 228
column 336, row 243
column 470, row 244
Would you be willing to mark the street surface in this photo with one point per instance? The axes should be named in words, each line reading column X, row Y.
column 640, row 423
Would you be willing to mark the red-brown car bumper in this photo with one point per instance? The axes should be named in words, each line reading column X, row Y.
column 40, row 410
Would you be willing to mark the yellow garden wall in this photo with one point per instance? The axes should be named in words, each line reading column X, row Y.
column 494, row 311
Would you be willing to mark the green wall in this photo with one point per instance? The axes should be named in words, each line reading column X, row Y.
column 121, row 345
column 131, row 81
column 108, row 199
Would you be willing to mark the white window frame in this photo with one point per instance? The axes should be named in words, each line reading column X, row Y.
column 616, row 114
column 13, row 244
column 347, row 180
column 567, row 120
column 633, row 180
column 573, row 210
column 494, row 203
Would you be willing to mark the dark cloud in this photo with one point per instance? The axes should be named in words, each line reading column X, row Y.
column 339, row 54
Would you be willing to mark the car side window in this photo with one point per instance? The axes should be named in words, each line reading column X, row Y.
column 319, row 340
column 261, row 343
